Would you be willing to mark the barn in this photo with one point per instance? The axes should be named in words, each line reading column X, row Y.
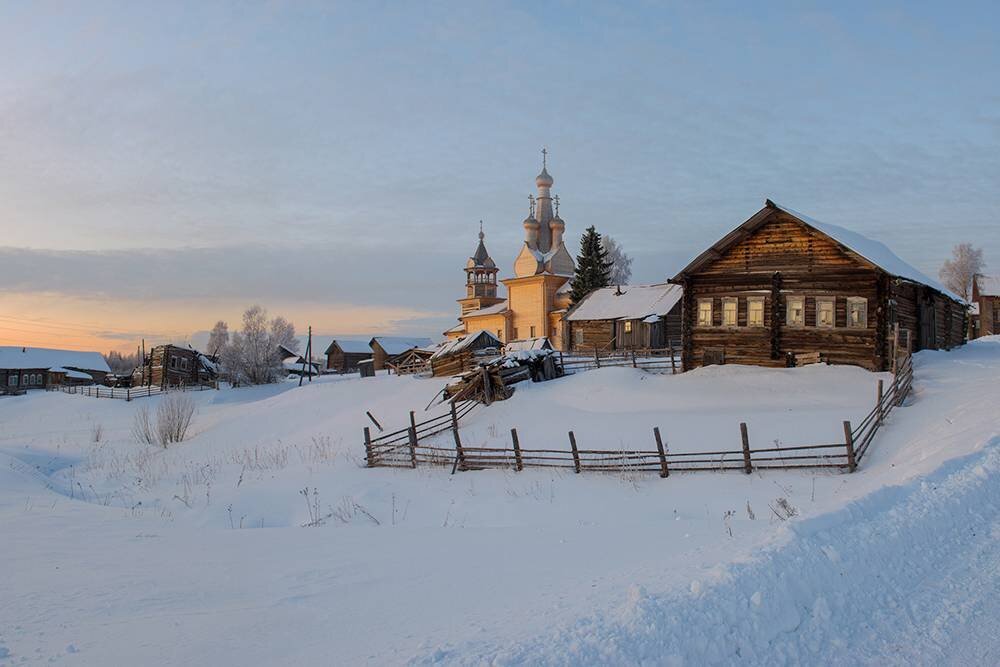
column 626, row 317
column 783, row 288
column 343, row 356
column 386, row 348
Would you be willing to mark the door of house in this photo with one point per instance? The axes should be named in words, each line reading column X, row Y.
column 928, row 328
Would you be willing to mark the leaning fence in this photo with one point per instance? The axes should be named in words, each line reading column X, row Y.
column 403, row 448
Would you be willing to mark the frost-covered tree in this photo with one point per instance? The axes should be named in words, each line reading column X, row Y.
column 218, row 338
column 592, row 266
column 252, row 355
column 958, row 272
column 621, row 263
column 121, row 364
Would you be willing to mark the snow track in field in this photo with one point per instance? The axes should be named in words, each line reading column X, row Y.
column 907, row 575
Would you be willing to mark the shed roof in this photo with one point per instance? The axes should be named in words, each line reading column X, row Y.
column 15, row 356
column 874, row 252
column 350, row 346
column 399, row 344
column 626, row 302
column 538, row 343
column 466, row 341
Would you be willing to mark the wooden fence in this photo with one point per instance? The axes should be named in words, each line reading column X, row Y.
column 403, row 448
column 660, row 360
column 126, row 393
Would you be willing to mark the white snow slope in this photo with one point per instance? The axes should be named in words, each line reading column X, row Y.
column 117, row 553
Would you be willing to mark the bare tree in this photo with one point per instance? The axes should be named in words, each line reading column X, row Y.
column 621, row 263
column 958, row 272
column 121, row 364
column 218, row 338
column 252, row 354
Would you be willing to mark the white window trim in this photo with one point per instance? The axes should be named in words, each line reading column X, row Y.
column 711, row 312
column 851, row 300
column 833, row 302
column 760, row 300
column 789, row 300
column 733, row 300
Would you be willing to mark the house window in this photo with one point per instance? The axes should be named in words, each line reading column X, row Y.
column 704, row 312
column 628, row 326
column 796, row 315
column 729, row 311
column 857, row 312
column 184, row 364
column 755, row 312
column 825, row 312
column 578, row 336
column 12, row 381
column 173, row 362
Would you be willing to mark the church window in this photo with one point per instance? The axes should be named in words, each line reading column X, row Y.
column 499, row 335
column 515, row 333
column 755, row 311
column 730, row 307
column 532, row 332
column 704, row 312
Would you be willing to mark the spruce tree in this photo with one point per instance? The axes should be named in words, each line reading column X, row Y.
column 593, row 270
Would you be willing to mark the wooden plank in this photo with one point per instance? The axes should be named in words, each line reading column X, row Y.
column 747, row 467
column 576, row 453
column 664, row 471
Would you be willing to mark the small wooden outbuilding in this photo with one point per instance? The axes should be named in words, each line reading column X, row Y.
column 626, row 317
column 343, row 356
column 386, row 348
column 985, row 319
column 465, row 353
column 783, row 288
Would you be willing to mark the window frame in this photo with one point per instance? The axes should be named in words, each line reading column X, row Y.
column 578, row 336
column 833, row 312
column 789, row 300
column 751, row 300
column 857, row 300
column 12, row 380
column 711, row 312
column 734, row 301
column 628, row 326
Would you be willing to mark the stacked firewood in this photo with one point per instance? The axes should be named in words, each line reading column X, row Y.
column 493, row 381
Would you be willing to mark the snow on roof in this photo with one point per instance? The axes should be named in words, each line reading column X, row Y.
column 538, row 343
column 973, row 308
column 352, row 346
column 76, row 375
column 465, row 341
column 489, row 310
column 875, row 252
column 15, row 356
column 458, row 327
column 988, row 285
column 290, row 364
column 397, row 345
column 627, row 302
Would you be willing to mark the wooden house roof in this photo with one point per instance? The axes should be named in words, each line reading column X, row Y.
column 350, row 346
column 397, row 345
column 18, row 357
column 870, row 251
column 633, row 302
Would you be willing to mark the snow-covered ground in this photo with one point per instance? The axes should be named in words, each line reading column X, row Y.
column 113, row 552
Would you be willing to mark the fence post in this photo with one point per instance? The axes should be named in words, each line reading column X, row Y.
column 633, row 359
column 597, row 357
column 369, row 458
column 659, row 450
column 576, row 452
column 849, row 438
column 747, row 466
column 673, row 364
column 413, row 441
column 459, row 454
column 518, row 463
column 879, row 403
column 128, row 394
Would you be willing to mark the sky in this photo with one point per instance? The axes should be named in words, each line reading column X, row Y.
column 165, row 165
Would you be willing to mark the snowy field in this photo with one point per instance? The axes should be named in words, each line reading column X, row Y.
column 114, row 552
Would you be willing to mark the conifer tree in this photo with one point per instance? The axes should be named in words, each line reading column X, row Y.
column 593, row 270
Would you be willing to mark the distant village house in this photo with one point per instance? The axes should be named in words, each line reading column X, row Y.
column 626, row 317
column 24, row 368
column 343, row 356
column 985, row 311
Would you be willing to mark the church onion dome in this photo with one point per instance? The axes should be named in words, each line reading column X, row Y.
column 530, row 222
column 544, row 180
column 556, row 220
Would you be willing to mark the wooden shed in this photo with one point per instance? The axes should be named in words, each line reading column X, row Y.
column 986, row 307
column 782, row 288
column 465, row 353
column 626, row 317
column 386, row 348
column 343, row 356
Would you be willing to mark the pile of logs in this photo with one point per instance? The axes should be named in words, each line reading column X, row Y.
column 493, row 381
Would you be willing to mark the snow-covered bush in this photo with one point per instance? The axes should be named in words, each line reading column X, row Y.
column 173, row 418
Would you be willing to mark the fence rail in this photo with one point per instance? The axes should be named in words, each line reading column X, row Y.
column 124, row 393
column 402, row 448
column 656, row 360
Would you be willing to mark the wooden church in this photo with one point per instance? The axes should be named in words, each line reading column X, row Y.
column 538, row 292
